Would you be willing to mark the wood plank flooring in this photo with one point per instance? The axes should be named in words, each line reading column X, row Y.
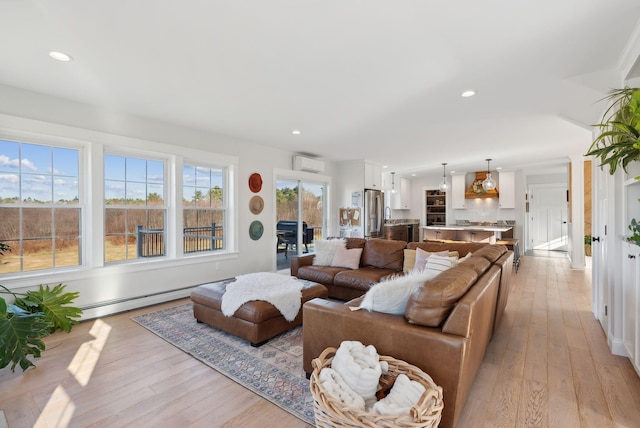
column 547, row 366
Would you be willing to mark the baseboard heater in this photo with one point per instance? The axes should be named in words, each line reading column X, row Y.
column 111, row 307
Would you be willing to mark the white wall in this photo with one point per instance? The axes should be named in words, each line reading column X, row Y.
column 101, row 288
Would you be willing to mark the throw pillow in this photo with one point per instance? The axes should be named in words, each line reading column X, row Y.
column 347, row 258
column 437, row 263
column 325, row 249
column 409, row 260
column 422, row 256
column 391, row 295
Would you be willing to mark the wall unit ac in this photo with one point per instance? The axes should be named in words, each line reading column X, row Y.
column 301, row 163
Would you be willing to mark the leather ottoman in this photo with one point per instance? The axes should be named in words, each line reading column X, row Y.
column 256, row 321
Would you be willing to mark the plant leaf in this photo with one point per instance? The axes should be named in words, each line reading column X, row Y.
column 52, row 301
column 21, row 332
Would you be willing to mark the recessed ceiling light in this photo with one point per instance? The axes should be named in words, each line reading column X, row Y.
column 467, row 94
column 451, row 172
column 296, row 132
column 413, row 175
column 385, row 166
column 498, row 168
column 60, row 56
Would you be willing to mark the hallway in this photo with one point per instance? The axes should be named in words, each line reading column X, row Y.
column 548, row 363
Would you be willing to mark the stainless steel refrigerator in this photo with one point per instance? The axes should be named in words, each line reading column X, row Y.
column 373, row 216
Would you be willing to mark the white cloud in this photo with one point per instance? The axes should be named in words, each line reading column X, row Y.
column 9, row 178
column 13, row 163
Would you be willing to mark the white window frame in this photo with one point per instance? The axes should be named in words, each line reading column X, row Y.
column 25, row 137
column 228, row 227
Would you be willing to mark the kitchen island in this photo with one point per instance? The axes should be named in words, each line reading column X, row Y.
column 480, row 232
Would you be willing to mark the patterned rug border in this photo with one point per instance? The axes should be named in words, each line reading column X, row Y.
column 231, row 357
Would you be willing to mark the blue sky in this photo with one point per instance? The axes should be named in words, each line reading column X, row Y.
column 38, row 172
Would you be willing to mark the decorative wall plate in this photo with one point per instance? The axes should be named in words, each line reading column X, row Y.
column 256, row 204
column 255, row 182
column 255, row 230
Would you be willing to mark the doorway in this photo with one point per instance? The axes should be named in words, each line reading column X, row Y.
column 548, row 216
column 300, row 217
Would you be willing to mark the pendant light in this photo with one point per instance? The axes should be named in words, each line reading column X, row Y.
column 444, row 186
column 488, row 183
column 393, row 182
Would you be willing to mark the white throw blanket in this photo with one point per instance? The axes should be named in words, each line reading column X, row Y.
column 360, row 367
column 404, row 394
column 283, row 292
column 334, row 385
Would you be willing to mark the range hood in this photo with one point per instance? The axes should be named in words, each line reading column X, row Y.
column 475, row 191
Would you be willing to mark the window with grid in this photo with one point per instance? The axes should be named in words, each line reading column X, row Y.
column 203, row 201
column 40, row 207
column 135, row 211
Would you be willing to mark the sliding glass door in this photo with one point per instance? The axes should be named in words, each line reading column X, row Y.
column 300, row 217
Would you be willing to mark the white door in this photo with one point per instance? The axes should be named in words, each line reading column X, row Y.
column 600, row 283
column 548, row 217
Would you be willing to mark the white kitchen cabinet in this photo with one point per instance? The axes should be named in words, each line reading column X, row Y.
column 401, row 199
column 507, row 189
column 631, row 302
column 372, row 176
column 458, row 187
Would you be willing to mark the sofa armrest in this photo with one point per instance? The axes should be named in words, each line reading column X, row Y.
column 299, row 261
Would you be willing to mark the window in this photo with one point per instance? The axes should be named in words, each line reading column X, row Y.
column 135, row 211
column 203, row 208
column 39, row 207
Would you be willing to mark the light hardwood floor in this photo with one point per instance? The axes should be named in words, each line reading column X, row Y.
column 547, row 365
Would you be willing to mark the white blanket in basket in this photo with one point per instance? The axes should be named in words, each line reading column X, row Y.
column 283, row 292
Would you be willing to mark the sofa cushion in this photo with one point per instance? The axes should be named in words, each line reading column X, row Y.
column 431, row 303
column 430, row 246
column 347, row 258
column 361, row 279
column 384, row 254
column 490, row 252
column 321, row 274
column 355, row 242
column 325, row 250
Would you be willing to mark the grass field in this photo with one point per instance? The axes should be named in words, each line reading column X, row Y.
column 10, row 263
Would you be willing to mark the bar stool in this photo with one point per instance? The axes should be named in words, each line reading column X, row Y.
column 514, row 246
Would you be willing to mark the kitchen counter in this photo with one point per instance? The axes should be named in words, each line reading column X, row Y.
column 487, row 228
column 469, row 232
column 402, row 229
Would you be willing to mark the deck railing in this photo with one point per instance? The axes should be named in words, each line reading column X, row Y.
column 202, row 238
column 150, row 242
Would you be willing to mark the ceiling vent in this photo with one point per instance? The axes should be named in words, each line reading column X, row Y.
column 301, row 163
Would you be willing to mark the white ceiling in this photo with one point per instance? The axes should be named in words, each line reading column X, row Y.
column 362, row 79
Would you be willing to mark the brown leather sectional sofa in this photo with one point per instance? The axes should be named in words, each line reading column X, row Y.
column 446, row 327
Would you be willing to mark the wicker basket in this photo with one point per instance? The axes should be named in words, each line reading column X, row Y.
column 330, row 412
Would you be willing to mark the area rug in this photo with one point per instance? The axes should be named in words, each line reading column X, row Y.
column 273, row 370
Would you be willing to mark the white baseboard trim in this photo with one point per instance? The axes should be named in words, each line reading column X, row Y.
column 3, row 420
column 127, row 305
column 618, row 348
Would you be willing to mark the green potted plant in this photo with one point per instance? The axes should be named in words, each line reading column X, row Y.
column 619, row 142
column 634, row 227
column 32, row 316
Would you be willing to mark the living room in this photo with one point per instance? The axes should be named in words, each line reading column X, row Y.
column 366, row 95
